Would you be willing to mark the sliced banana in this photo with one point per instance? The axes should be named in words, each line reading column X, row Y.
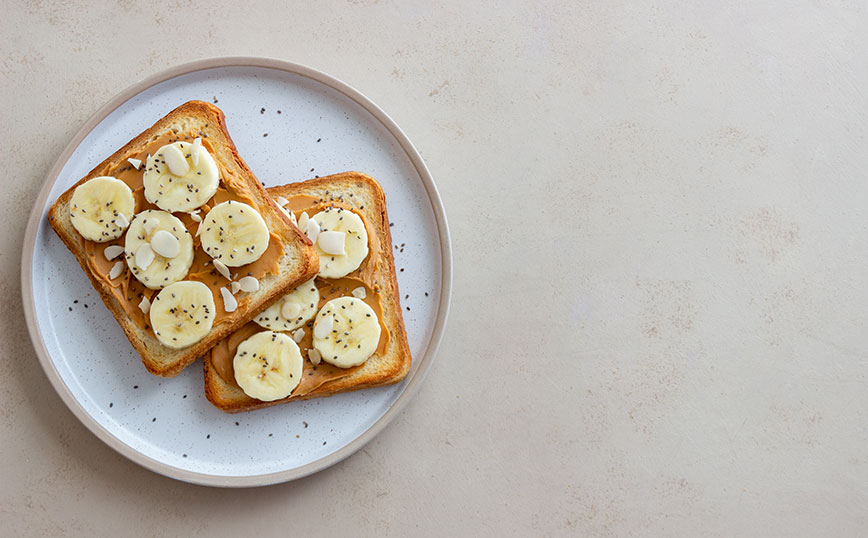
column 153, row 236
column 346, row 332
column 182, row 313
column 101, row 208
column 174, row 182
column 234, row 233
column 268, row 366
column 292, row 310
column 343, row 250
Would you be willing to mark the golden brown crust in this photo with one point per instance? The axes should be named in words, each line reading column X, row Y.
column 390, row 368
column 299, row 261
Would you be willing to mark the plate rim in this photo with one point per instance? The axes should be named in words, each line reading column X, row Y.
column 412, row 383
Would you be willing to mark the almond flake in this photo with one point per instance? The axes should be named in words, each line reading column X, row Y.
column 298, row 335
column 135, row 162
column 145, row 305
column 144, row 256
column 323, row 327
column 281, row 201
column 249, row 284
column 222, row 269
column 175, row 160
column 116, row 270
column 150, row 224
column 113, row 251
column 165, row 244
column 121, row 221
column 289, row 214
column 229, row 302
column 235, row 287
column 194, row 153
column 360, row 292
column 332, row 242
column 314, row 356
column 312, row 230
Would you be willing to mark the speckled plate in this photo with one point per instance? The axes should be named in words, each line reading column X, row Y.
column 316, row 125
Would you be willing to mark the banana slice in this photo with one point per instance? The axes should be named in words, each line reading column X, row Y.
column 174, row 182
column 342, row 243
column 234, row 233
column 292, row 310
column 154, row 236
column 346, row 332
column 268, row 366
column 101, row 208
column 182, row 313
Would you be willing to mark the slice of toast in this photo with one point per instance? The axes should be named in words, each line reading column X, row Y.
column 362, row 194
column 297, row 262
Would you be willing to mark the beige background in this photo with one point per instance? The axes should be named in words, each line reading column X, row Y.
column 659, row 225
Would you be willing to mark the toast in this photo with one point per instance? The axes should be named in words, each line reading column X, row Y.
column 391, row 362
column 294, row 259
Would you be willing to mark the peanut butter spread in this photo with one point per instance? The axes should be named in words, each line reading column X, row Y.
column 223, row 353
column 129, row 291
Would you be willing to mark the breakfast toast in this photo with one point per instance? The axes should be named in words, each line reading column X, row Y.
column 156, row 205
column 372, row 285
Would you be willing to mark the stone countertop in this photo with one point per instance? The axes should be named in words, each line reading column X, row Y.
column 658, row 214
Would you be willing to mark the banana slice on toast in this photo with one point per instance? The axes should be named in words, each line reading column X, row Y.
column 182, row 313
column 158, row 248
column 102, row 208
column 342, row 241
column 346, row 332
column 291, row 311
column 268, row 366
column 180, row 176
column 234, row 233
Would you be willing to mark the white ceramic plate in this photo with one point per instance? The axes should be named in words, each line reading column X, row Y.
column 316, row 125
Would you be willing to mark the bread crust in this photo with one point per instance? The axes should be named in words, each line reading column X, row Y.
column 299, row 261
column 395, row 362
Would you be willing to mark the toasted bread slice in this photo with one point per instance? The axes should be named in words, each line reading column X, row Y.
column 364, row 195
column 297, row 263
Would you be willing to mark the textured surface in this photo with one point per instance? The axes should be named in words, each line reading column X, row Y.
column 658, row 322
